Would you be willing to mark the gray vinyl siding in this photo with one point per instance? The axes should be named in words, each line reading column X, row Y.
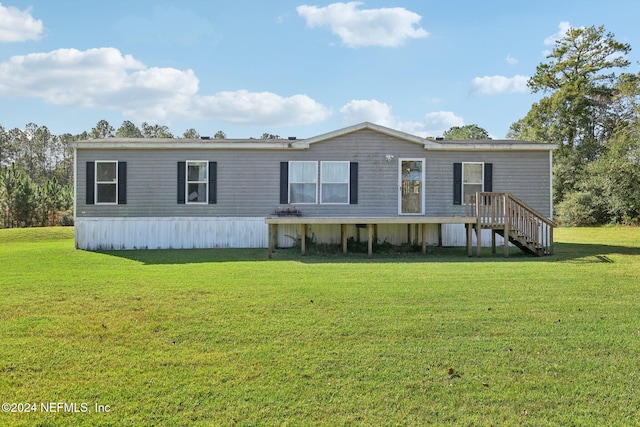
column 248, row 181
column 525, row 174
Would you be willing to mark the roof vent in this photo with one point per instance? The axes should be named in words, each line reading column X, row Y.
column 292, row 138
column 205, row 137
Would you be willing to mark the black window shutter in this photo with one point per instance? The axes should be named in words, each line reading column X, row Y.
column 353, row 183
column 213, row 183
column 457, row 183
column 488, row 177
column 122, row 183
column 284, row 183
column 91, row 181
column 182, row 181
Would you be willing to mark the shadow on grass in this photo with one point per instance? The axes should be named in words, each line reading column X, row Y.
column 564, row 252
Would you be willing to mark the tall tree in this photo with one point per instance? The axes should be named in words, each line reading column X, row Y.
column 102, row 130
column 37, row 152
column 269, row 136
column 220, row 135
column 191, row 134
column 128, row 130
column 4, row 147
column 580, row 82
column 578, row 113
column 17, row 202
column 466, row 132
column 155, row 131
column 64, row 169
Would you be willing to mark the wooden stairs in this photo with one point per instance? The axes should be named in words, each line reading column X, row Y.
column 517, row 223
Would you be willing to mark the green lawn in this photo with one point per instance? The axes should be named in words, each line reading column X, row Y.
column 227, row 337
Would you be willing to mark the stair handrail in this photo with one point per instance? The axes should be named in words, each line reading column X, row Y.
column 503, row 210
column 539, row 215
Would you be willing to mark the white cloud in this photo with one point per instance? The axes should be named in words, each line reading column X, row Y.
column 434, row 124
column 261, row 108
column 511, row 60
column 18, row 25
column 387, row 27
column 358, row 111
column 98, row 78
column 492, row 85
column 563, row 27
column 104, row 78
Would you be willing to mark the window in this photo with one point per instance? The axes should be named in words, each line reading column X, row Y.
column 338, row 182
column 471, row 179
column 303, row 182
column 106, row 182
column 334, row 179
column 197, row 181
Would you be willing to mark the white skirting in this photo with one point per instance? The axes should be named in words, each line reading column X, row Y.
column 170, row 233
column 456, row 235
column 97, row 233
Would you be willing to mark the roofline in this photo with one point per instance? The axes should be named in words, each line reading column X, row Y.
column 493, row 145
column 303, row 144
column 176, row 144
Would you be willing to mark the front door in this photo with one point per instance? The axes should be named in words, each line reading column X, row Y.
column 411, row 191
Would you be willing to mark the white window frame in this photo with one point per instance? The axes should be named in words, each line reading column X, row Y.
column 464, row 199
column 315, row 182
column 205, row 182
column 97, row 182
column 347, row 182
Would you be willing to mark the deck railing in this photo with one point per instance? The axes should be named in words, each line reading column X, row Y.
column 503, row 211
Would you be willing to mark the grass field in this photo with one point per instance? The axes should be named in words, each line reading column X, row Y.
column 226, row 337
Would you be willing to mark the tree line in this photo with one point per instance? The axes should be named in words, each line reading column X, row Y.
column 590, row 109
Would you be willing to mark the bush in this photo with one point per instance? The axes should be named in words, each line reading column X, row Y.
column 578, row 209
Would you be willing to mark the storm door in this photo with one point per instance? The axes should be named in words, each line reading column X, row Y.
column 411, row 187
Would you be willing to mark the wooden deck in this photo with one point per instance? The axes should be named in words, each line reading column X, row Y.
column 517, row 223
column 370, row 223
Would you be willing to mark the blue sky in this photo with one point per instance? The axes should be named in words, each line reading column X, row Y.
column 292, row 68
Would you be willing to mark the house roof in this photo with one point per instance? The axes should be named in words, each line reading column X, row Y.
column 301, row 144
column 362, row 126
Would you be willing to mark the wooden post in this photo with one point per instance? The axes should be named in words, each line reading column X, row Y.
column 424, row 238
column 550, row 239
column 370, row 242
column 478, row 226
column 440, row 235
column 493, row 240
column 469, row 239
column 344, row 238
column 303, row 240
column 271, row 246
column 507, row 226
